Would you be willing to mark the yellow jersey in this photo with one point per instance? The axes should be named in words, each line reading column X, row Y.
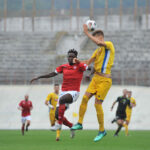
column 52, row 98
column 104, row 58
column 129, row 109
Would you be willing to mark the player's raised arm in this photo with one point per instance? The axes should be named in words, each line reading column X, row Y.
column 52, row 74
column 98, row 41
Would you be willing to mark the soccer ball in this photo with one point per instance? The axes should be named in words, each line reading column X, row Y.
column 91, row 24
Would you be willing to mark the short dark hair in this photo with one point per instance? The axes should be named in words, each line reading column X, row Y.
column 73, row 51
column 56, row 84
column 98, row 32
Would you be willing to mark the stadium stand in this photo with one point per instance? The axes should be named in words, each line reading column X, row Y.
column 31, row 54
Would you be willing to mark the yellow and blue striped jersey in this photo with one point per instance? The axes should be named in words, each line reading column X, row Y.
column 104, row 58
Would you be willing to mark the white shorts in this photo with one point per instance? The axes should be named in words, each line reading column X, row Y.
column 24, row 119
column 74, row 94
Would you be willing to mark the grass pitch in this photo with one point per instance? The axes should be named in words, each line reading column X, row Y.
column 45, row 140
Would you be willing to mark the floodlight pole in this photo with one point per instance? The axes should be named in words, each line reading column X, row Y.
column 147, row 14
column 106, row 13
column 78, row 14
column 91, row 9
column 5, row 15
column 52, row 13
column 135, row 13
column 23, row 14
column 71, row 12
column 120, row 14
column 33, row 14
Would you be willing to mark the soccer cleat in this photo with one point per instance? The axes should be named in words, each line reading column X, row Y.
column 57, row 139
column 100, row 136
column 56, row 127
column 72, row 133
column 77, row 126
column 115, row 135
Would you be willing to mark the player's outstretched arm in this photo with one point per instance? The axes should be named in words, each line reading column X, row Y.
column 52, row 74
column 94, row 39
column 113, row 105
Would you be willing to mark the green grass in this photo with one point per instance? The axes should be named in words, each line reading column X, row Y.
column 45, row 140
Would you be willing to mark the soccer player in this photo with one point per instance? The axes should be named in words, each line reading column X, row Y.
column 51, row 102
column 123, row 102
column 25, row 106
column 72, row 76
column 103, row 59
column 129, row 112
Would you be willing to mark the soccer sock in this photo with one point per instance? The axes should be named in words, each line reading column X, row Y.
column 61, row 112
column 83, row 108
column 100, row 116
column 126, row 128
column 57, row 133
column 117, row 131
column 22, row 129
column 67, row 123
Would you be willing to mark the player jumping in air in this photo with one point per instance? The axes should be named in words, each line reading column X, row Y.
column 72, row 76
column 103, row 59
column 129, row 111
column 123, row 102
column 25, row 106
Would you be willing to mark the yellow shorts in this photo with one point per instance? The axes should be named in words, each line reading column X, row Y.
column 99, row 86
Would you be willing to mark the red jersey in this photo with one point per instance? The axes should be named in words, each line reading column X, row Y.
column 72, row 76
column 26, row 106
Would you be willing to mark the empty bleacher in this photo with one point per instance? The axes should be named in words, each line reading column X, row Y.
column 26, row 55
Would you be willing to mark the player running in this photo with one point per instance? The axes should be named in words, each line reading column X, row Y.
column 103, row 59
column 72, row 76
column 123, row 102
column 25, row 106
column 129, row 112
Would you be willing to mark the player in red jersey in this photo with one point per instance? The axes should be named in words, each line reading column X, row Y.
column 25, row 106
column 72, row 76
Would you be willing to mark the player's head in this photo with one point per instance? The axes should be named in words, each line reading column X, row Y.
column 125, row 92
column 98, row 34
column 72, row 53
column 56, row 88
column 26, row 97
column 129, row 94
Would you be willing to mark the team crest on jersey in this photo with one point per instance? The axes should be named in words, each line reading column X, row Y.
column 75, row 67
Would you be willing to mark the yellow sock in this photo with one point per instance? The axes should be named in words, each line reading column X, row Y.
column 100, row 116
column 126, row 128
column 83, row 108
column 57, row 133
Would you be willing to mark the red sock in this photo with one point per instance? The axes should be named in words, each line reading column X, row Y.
column 67, row 123
column 61, row 112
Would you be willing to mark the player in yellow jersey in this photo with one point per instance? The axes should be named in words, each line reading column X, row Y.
column 103, row 59
column 51, row 102
column 129, row 111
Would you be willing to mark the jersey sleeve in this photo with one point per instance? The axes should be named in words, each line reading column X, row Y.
column 118, row 99
column 83, row 66
column 133, row 101
column 59, row 69
column 94, row 54
column 109, row 45
column 20, row 104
